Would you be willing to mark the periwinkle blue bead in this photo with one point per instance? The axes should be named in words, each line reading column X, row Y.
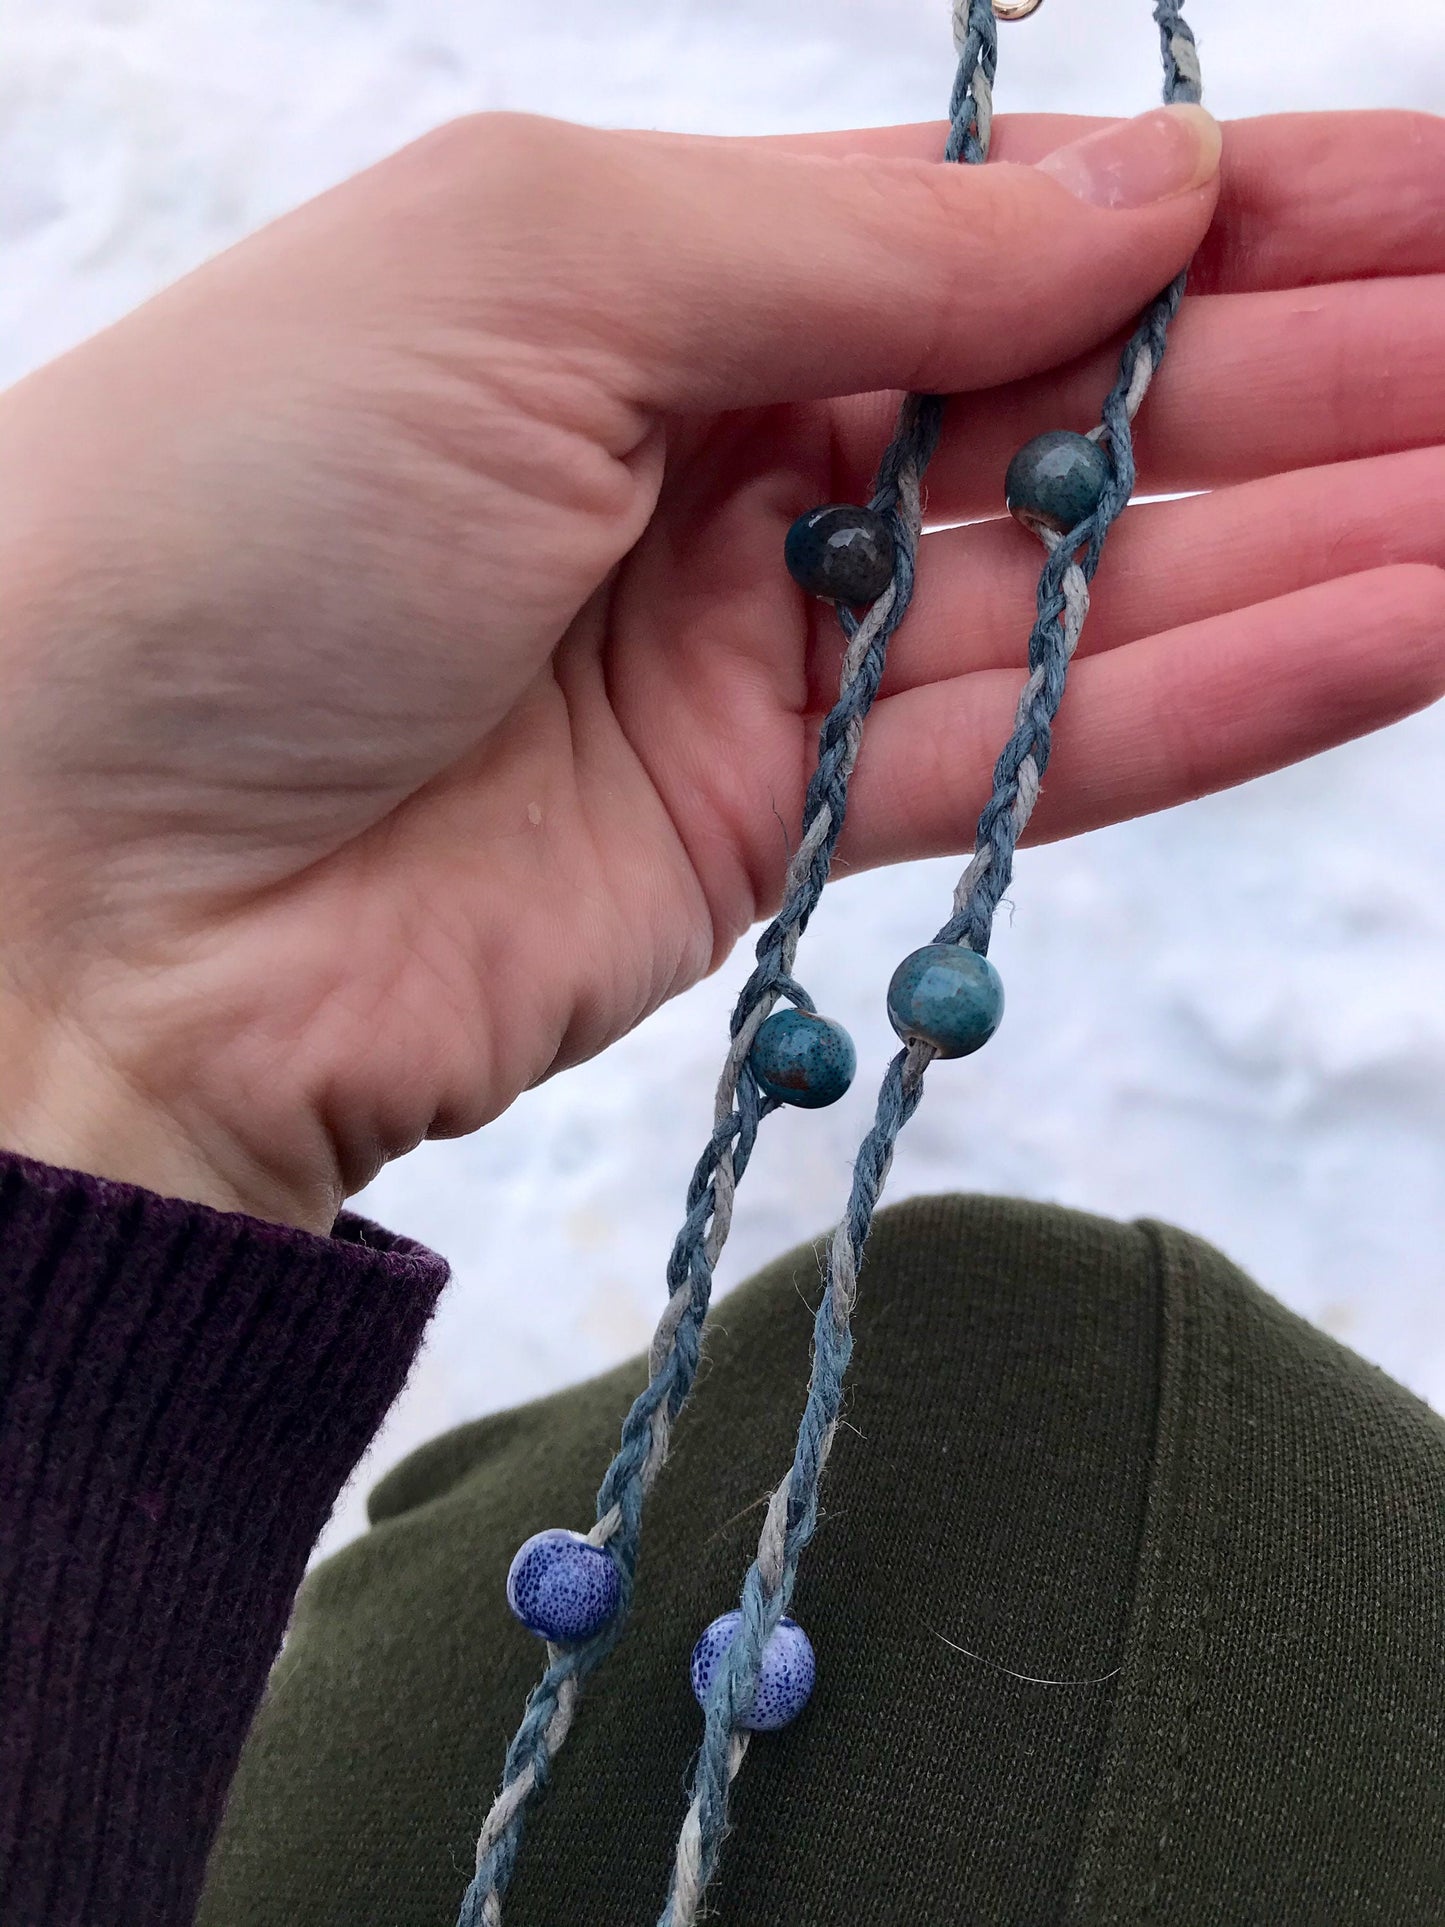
column 947, row 997
column 1056, row 481
column 785, row 1678
column 803, row 1059
column 841, row 553
column 562, row 1587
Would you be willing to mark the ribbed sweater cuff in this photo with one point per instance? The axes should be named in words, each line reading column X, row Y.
column 183, row 1393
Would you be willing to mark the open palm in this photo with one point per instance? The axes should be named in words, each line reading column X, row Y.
column 403, row 694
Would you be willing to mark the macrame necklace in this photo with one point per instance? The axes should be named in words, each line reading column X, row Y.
column 753, row 1668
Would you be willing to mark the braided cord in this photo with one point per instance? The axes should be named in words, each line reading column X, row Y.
column 739, row 1106
column 1062, row 605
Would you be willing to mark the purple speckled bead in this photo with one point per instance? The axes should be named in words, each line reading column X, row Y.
column 562, row 1587
column 785, row 1681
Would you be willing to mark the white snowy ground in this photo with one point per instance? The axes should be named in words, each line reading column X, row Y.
column 1231, row 1016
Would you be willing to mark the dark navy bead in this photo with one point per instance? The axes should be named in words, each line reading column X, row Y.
column 785, row 1679
column 841, row 553
column 562, row 1587
column 1056, row 481
column 800, row 1058
column 947, row 997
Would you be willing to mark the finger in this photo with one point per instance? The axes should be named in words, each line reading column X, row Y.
column 1016, row 137
column 1303, row 197
column 713, row 275
column 1168, row 564
column 1252, row 383
column 1160, row 721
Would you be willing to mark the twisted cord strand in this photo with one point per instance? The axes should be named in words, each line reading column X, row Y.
column 739, row 1105
column 1062, row 606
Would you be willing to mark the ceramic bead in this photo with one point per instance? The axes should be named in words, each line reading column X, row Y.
column 802, row 1059
column 946, row 996
column 1056, row 481
column 785, row 1679
column 841, row 553
column 562, row 1587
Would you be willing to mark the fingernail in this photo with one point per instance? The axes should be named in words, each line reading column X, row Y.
column 1137, row 162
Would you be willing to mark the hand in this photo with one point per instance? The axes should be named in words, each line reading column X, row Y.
column 399, row 683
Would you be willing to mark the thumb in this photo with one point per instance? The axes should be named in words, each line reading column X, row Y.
column 728, row 273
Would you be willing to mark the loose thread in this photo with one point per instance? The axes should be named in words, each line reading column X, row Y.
column 1026, row 1679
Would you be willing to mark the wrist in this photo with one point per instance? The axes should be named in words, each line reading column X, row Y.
column 63, row 1104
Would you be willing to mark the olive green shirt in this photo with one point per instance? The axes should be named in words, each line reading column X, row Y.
column 1210, row 1540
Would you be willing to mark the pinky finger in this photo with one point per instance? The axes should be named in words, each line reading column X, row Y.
column 1160, row 721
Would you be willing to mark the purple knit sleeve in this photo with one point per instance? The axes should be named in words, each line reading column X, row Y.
column 183, row 1393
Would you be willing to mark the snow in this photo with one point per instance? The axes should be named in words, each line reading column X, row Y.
column 1229, row 1016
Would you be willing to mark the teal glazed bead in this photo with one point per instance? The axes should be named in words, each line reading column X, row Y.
column 947, row 997
column 803, row 1059
column 841, row 553
column 1056, row 481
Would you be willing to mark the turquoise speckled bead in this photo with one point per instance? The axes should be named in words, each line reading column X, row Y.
column 562, row 1587
column 841, row 553
column 1056, row 481
column 947, row 997
column 785, row 1678
column 803, row 1059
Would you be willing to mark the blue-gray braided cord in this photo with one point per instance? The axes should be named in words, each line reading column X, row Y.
column 739, row 1106
column 793, row 1509
column 1181, row 57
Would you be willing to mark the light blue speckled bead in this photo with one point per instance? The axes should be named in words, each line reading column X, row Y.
column 1056, row 481
column 562, row 1587
column 803, row 1059
column 785, row 1680
column 947, row 997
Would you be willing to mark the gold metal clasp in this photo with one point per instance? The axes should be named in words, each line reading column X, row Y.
column 1015, row 9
